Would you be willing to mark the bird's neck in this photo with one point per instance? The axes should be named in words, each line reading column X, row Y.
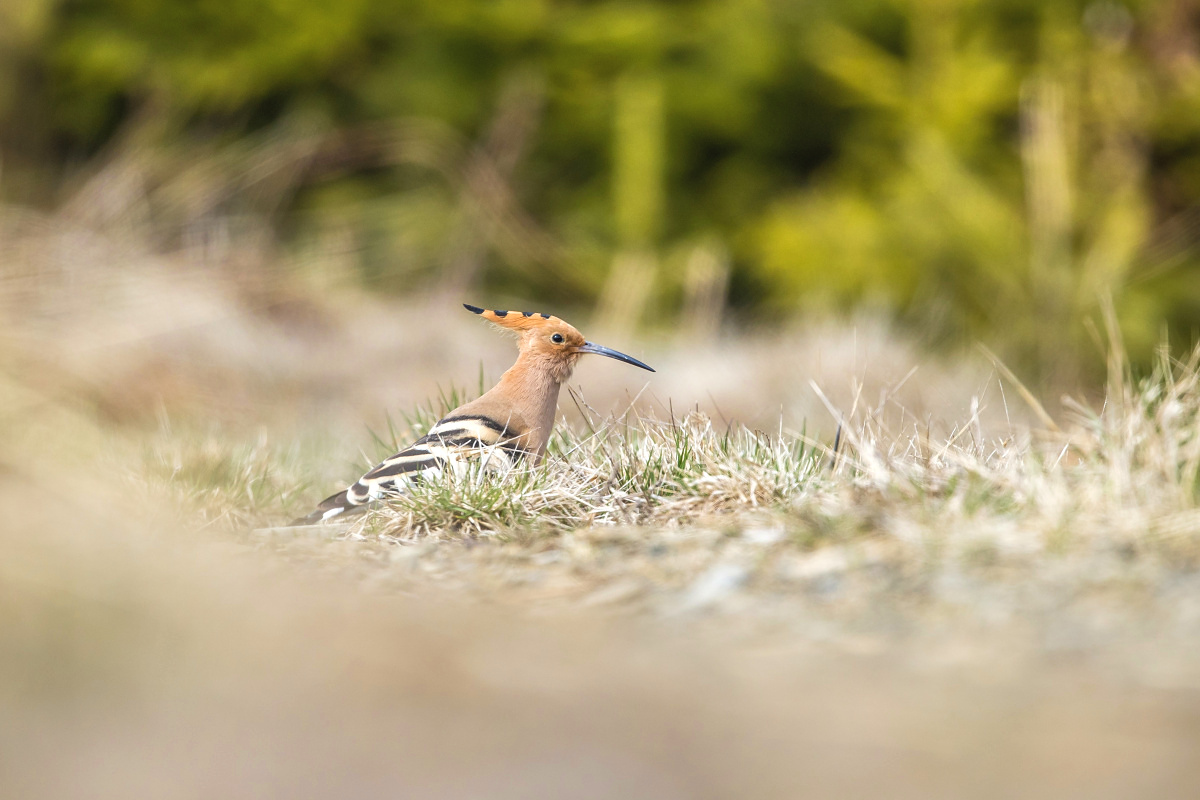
column 531, row 389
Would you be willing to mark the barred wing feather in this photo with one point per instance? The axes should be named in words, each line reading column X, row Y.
column 452, row 442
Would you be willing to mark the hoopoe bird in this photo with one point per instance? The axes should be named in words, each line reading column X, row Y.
column 509, row 423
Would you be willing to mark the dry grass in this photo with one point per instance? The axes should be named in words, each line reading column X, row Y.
column 1126, row 473
column 1083, row 539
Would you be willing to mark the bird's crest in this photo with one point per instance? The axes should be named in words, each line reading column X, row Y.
column 549, row 337
column 515, row 320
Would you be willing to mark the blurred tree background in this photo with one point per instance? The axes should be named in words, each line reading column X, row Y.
column 987, row 170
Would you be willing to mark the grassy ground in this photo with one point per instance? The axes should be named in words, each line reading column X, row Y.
column 967, row 597
column 1077, row 540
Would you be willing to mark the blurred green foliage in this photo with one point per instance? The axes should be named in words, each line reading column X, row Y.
column 990, row 169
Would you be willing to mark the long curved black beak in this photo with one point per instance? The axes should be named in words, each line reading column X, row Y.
column 601, row 350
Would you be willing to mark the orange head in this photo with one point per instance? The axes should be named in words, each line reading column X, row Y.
column 548, row 342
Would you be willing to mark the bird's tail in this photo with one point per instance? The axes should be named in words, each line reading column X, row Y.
column 333, row 506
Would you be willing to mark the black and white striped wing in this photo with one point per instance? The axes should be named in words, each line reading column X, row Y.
column 451, row 444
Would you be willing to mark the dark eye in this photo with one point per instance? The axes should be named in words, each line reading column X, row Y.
column 557, row 338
